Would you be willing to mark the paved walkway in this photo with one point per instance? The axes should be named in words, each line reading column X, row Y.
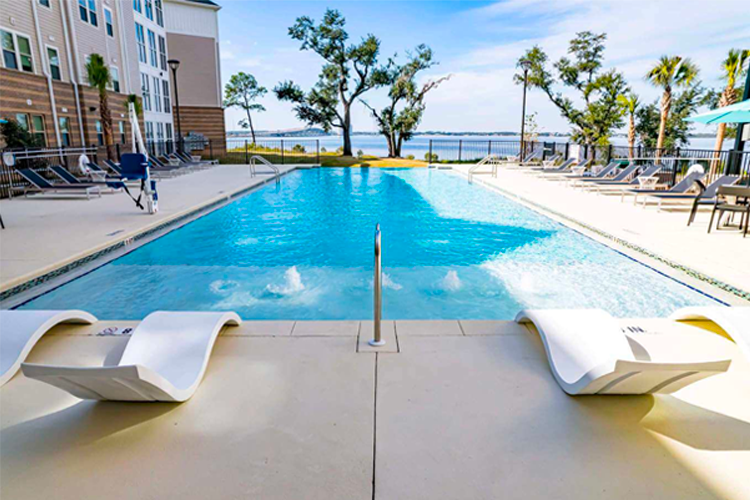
column 463, row 410
column 723, row 255
column 44, row 234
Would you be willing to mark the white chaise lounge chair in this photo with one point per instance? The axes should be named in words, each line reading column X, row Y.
column 589, row 354
column 165, row 360
column 735, row 321
column 21, row 330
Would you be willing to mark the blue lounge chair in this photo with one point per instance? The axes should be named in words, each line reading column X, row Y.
column 71, row 179
column 45, row 187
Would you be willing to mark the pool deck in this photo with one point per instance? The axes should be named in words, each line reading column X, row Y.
column 41, row 235
column 723, row 255
column 448, row 410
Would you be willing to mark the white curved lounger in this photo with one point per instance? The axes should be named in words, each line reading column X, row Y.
column 164, row 360
column 735, row 321
column 589, row 354
column 21, row 330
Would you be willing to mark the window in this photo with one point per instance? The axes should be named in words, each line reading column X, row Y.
column 149, row 9
column 121, row 129
column 137, row 6
column 64, row 130
column 146, row 92
column 16, row 51
column 115, row 74
column 149, row 132
column 44, row 2
column 37, row 129
column 160, row 136
column 141, row 40
column 87, row 11
column 163, row 52
column 168, row 127
column 157, row 95
column 99, row 133
column 109, row 25
column 152, row 48
column 54, row 63
column 159, row 13
column 23, row 121
column 167, row 104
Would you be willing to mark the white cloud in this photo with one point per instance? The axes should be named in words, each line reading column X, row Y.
column 249, row 62
column 482, row 95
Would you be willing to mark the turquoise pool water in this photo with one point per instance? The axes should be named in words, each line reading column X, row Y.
column 304, row 250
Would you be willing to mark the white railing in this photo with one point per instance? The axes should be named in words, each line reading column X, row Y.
column 491, row 159
column 274, row 168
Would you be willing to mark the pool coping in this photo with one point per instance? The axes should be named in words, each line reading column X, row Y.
column 591, row 231
column 24, row 289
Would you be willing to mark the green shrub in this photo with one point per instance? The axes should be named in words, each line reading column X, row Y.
column 360, row 153
column 432, row 158
column 323, row 150
column 298, row 148
column 410, row 157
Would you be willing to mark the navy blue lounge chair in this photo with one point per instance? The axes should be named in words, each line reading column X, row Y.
column 45, row 187
column 69, row 178
column 679, row 188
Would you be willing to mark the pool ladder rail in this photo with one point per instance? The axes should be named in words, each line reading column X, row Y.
column 492, row 160
column 253, row 161
column 377, row 340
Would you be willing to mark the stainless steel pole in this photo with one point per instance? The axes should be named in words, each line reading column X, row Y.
column 378, row 293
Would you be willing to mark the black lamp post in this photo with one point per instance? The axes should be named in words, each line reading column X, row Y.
column 174, row 64
column 526, row 66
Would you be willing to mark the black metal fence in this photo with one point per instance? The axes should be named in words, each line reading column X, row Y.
column 277, row 151
column 675, row 162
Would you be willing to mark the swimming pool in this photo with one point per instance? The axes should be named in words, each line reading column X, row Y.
column 304, row 250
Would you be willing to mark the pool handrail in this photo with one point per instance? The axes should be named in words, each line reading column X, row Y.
column 254, row 158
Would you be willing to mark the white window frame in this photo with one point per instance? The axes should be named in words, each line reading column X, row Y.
column 152, row 49
column 87, row 6
column 159, row 12
column 99, row 133
column 146, row 92
column 162, row 52
column 17, row 51
column 138, row 6
column 166, row 95
column 49, row 62
column 157, row 94
column 112, row 79
column 45, row 3
column 65, row 130
column 121, row 131
column 107, row 10
column 140, row 40
column 148, row 9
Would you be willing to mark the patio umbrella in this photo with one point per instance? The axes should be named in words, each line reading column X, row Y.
column 736, row 113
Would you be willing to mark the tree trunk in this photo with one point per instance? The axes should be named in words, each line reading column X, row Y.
column 347, row 131
column 391, row 145
column 727, row 98
column 106, row 124
column 399, row 143
column 631, row 137
column 252, row 129
column 666, row 105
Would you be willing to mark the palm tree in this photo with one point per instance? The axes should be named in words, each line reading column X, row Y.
column 733, row 69
column 99, row 78
column 630, row 104
column 670, row 71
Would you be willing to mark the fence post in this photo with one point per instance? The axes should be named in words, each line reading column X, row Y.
column 489, row 148
column 429, row 158
column 639, row 150
column 117, row 150
column 317, row 151
column 609, row 153
column 567, row 151
column 211, row 149
column 460, row 143
column 282, row 151
column 247, row 158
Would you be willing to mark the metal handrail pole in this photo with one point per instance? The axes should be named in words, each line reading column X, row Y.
column 377, row 339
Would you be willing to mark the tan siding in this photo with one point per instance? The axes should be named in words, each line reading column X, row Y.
column 50, row 23
column 198, row 82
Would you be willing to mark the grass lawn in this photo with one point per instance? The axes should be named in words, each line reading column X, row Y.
column 335, row 160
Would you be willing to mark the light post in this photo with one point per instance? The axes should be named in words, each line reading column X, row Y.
column 526, row 66
column 174, row 64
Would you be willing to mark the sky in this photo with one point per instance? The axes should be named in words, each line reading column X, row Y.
column 478, row 44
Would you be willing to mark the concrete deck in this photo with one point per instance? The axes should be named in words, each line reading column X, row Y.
column 44, row 234
column 286, row 412
column 723, row 254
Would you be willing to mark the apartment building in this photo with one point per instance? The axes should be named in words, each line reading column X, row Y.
column 43, row 83
column 150, row 35
column 193, row 39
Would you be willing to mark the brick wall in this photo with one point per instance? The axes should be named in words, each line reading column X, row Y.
column 28, row 94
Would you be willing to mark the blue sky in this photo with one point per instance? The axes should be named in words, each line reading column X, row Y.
column 478, row 44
